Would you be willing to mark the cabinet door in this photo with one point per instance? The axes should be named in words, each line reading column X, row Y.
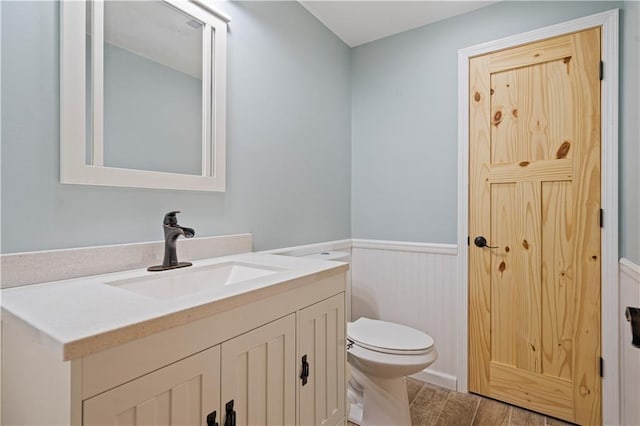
column 321, row 337
column 258, row 374
column 183, row 393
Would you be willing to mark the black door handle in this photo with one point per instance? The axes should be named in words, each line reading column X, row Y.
column 482, row 242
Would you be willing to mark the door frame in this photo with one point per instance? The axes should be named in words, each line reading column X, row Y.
column 608, row 21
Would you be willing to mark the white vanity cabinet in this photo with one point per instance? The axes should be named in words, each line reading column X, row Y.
column 183, row 393
column 321, row 332
column 249, row 353
column 251, row 377
column 262, row 370
column 259, row 374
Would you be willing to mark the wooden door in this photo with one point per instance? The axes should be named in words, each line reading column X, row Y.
column 321, row 339
column 534, row 193
column 181, row 394
column 259, row 374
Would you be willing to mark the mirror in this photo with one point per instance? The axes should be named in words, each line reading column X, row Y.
column 152, row 79
column 148, row 79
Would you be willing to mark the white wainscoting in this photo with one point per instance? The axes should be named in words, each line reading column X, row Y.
column 629, row 356
column 412, row 284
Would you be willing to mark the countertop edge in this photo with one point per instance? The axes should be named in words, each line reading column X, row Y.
column 85, row 346
column 34, row 333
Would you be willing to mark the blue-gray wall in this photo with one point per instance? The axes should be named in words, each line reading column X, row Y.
column 301, row 104
column 288, row 155
column 629, row 176
column 404, row 120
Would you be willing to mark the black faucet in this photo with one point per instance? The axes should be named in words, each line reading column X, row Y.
column 171, row 233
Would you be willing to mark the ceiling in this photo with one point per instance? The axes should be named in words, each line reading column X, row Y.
column 163, row 34
column 359, row 22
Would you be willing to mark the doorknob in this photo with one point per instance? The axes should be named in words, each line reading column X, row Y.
column 482, row 242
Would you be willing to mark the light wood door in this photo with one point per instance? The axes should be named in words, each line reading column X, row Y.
column 321, row 338
column 259, row 374
column 534, row 301
column 181, row 394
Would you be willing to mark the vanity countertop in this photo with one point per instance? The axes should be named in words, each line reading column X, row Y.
column 81, row 316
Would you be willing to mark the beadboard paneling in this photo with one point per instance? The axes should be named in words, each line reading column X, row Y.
column 629, row 355
column 412, row 284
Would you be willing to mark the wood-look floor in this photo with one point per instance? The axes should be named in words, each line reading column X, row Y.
column 433, row 405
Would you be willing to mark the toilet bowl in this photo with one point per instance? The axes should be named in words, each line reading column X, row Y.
column 381, row 354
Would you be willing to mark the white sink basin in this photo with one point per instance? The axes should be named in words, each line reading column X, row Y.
column 181, row 282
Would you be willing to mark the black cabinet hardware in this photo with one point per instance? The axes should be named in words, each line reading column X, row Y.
column 304, row 375
column 230, row 414
column 211, row 419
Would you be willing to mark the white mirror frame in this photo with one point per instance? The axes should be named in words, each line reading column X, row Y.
column 73, row 99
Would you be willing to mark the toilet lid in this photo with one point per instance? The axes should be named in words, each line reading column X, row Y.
column 387, row 337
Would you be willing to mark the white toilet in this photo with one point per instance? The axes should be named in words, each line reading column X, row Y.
column 381, row 354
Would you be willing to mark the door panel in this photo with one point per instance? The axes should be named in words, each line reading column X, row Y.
column 534, row 168
column 537, row 392
column 321, row 337
column 557, row 279
column 182, row 394
column 503, row 283
column 258, row 374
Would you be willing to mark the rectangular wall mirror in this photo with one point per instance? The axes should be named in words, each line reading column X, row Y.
column 143, row 94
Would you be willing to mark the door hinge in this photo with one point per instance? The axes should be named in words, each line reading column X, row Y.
column 601, row 367
column 601, row 218
column 601, row 70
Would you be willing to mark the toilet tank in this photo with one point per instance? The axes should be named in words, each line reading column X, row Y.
column 340, row 256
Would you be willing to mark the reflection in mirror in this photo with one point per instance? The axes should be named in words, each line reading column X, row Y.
column 152, row 88
column 147, row 81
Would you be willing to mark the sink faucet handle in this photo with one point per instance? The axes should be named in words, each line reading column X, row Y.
column 170, row 219
column 171, row 233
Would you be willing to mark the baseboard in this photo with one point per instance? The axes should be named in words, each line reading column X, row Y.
column 436, row 378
